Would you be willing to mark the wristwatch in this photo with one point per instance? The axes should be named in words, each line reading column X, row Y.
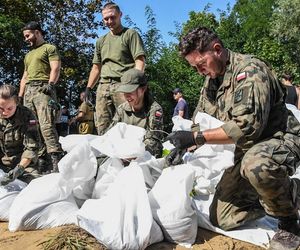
column 200, row 139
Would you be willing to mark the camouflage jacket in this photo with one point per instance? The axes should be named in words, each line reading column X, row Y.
column 249, row 98
column 20, row 137
column 150, row 118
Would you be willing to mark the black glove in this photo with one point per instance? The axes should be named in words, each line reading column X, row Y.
column 175, row 157
column 182, row 139
column 88, row 95
column 20, row 100
column 48, row 89
column 12, row 175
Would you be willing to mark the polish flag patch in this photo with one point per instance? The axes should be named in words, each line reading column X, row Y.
column 241, row 76
column 158, row 114
column 33, row 122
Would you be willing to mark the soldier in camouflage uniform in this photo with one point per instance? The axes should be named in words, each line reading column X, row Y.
column 141, row 110
column 115, row 53
column 244, row 93
column 20, row 139
column 42, row 68
column 85, row 117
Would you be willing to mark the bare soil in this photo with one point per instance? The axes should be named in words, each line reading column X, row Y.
column 72, row 237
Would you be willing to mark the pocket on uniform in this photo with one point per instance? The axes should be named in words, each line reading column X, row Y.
column 243, row 100
column 282, row 155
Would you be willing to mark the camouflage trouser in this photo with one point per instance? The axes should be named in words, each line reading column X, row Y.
column 41, row 105
column 107, row 100
column 259, row 184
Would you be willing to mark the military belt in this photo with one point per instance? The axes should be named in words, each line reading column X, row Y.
column 37, row 82
column 111, row 80
column 86, row 121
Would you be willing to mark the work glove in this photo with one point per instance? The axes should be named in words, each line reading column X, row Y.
column 88, row 95
column 174, row 157
column 20, row 100
column 12, row 175
column 48, row 89
column 182, row 139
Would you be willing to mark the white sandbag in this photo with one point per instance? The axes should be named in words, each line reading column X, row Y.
column 41, row 203
column 107, row 173
column 151, row 167
column 121, row 141
column 7, row 195
column 172, row 206
column 181, row 123
column 122, row 219
column 70, row 141
column 83, row 191
column 79, row 165
column 294, row 110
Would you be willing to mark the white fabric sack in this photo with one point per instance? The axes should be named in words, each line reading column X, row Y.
column 107, row 173
column 121, row 141
column 181, row 123
column 79, row 165
column 83, row 191
column 172, row 206
column 45, row 202
column 151, row 167
column 70, row 141
column 122, row 219
column 7, row 195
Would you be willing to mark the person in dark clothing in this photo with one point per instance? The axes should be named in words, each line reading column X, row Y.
column 292, row 93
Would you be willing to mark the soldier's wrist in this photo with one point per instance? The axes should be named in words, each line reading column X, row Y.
column 200, row 139
column 51, row 83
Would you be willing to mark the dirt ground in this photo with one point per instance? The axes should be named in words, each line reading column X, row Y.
column 67, row 236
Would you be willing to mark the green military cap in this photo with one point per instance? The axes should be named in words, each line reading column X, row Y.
column 131, row 80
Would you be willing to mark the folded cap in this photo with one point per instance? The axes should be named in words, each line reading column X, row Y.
column 131, row 80
column 33, row 26
column 177, row 90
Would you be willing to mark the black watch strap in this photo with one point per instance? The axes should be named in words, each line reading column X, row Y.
column 200, row 139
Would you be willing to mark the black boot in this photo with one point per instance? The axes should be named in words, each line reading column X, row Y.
column 288, row 235
column 55, row 158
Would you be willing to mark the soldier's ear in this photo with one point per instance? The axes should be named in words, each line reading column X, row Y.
column 218, row 48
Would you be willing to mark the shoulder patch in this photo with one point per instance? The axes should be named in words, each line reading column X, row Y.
column 158, row 114
column 241, row 76
column 33, row 122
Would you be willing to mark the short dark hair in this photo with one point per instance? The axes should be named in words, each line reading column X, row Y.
column 287, row 77
column 198, row 39
column 8, row 91
column 33, row 25
column 111, row 5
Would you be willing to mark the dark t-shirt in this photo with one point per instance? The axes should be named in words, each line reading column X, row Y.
column 291, row 96
column 181, row 106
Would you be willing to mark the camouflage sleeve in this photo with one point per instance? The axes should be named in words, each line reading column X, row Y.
column 117, row 118
column 31, row 139
column 154, row 131
column 53, row 53
column 251, row 105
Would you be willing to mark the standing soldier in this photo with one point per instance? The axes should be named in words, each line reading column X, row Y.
column 244, row 93
column 20, row 138
column 41, row 73
column 115, row 53
column 85, row 117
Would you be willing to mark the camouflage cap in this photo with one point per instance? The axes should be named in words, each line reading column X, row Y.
column 131, row 80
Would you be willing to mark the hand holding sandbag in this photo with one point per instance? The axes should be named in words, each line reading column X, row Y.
column 12, row 175
column 175, row 157
column 182, row 139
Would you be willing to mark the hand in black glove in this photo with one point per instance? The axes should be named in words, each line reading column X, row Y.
column 88, row 95
column 48, row 89
column 182, row 139
column 12, row 175
column 175, row 157
column 20, row 100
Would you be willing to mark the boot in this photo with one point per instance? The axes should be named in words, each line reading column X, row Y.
column 55, row 158
column 288, row 235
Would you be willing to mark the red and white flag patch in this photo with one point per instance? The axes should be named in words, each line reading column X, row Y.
column 158, row 114
column 241, row 76
column 33, row 122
